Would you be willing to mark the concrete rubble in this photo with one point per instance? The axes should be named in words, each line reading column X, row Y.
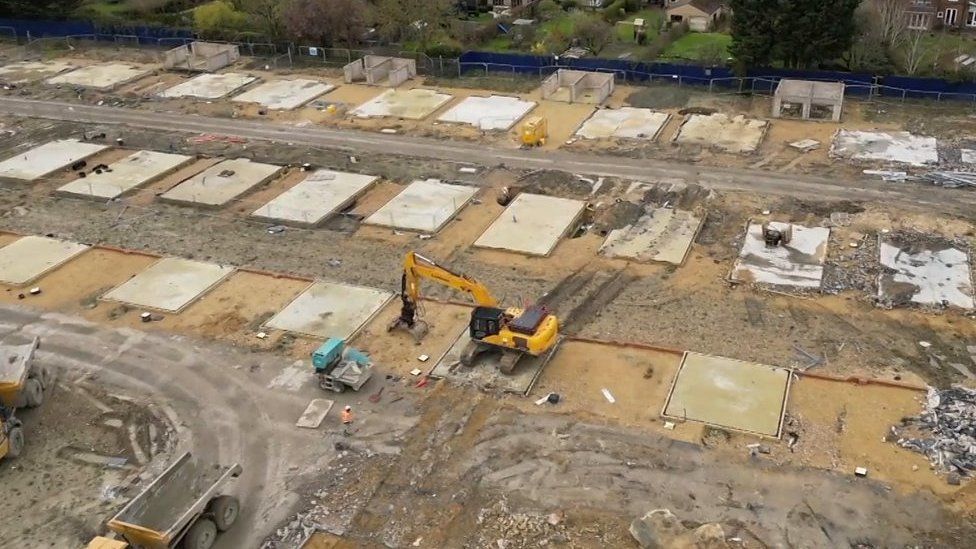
column 945, row 431
column 660, row 529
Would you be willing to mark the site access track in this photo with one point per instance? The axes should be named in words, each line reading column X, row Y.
column 359, row 142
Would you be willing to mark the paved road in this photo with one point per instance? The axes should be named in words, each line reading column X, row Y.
column 360, row 142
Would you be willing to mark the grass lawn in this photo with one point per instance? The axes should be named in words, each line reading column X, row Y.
column 697, row 45
column 652, row 20
column 938, row 51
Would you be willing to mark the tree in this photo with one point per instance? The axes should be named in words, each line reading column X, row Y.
column 799, row 33
column 753, row 32
column 326, row 22
column 593, row 33
column 916, row 50
column 46, row 9
column 218, row 17
column 419, row 20
column 266, row 14
column 889, row 19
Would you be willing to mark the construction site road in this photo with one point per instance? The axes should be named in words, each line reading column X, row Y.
column 359, row 142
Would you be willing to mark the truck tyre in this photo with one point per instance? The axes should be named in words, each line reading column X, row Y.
column 33, row 392
column 202, row 535
column 15, row 438
column 338, row 386
column 225, row 510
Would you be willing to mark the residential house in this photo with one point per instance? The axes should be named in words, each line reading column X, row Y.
column 933, row 14
column 701, row 15
column 502, row 5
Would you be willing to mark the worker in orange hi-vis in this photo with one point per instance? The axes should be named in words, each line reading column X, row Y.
column 347, row 419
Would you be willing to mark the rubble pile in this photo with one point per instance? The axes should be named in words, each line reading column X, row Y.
column 945, row 431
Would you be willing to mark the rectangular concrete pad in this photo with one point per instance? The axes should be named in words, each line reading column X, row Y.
column 414, row 104
column 532, row 224
column 27, row 259
column 664, row 235
column 101, row 76
column 29, row 71
column 624, row 123
column 900, row 147
column 318, row 196
column 423, row 206
column 47, row 158
column 485, row 373
column 736, row 134
column 925, row 276
column 285, row 94
column 209, row 86
column 128, row 174
column 798, row 263
column 314, row 413
column 330, row 309
column 495, row 112
column 209, row 188
column 729, row 393
column 169, row 284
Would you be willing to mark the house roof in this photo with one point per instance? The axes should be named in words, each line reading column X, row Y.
column 706, row 6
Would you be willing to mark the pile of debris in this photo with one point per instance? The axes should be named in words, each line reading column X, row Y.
column 945, row 431
column 951, row 180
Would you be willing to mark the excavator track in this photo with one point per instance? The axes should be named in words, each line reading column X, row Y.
column 508, row 360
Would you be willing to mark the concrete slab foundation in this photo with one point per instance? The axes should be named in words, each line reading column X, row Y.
column 624, row 123
column 319, row 196
column 32, row 71
column 898, row 147
column 27, row 259
column 967, row 156
column 414, row 104
column 729, row 393
column 571, row 86
column 798, row 263
column 423, row 206
column 485, row 374
column 169, row 284
column 662, row 235
column 47, row 158
column 221, row 183
column 209, row 86
column 285, row 94
column 736, row 134
column 101, row 76
column 532, row 224
column 126, row 175
column 495, row 112
column 925, row 275
column 330, row 309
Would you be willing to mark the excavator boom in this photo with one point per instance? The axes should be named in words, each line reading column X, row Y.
column 417, row 267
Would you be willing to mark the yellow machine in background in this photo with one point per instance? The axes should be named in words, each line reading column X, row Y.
column 513, row 330
column 534, row 131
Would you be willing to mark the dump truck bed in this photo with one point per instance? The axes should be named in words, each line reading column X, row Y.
column 163, row 509
column 15, row 364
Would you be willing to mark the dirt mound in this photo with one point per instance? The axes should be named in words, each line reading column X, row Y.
column 662, row 97
column 554, row 183
column 616, row 216
column 681, row 197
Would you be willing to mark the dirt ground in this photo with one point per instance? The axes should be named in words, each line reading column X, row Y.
column 433, row 465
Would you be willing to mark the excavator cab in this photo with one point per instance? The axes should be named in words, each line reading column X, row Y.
column 485, row 322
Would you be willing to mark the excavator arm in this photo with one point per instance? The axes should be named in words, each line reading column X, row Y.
column 417, row 268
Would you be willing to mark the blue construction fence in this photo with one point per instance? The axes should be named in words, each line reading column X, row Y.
column 757, row 80
column 35, row 29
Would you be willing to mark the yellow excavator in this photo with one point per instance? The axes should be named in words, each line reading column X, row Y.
column 514, row 331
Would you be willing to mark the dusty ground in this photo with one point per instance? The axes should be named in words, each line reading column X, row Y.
column 440, row 466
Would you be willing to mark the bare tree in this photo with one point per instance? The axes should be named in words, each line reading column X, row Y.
column 890, row 20
column 915, row 51
column 266, row 13
column 593, row 33
column 326, row 22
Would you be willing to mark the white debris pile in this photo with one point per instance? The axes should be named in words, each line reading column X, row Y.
column 945, row 431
